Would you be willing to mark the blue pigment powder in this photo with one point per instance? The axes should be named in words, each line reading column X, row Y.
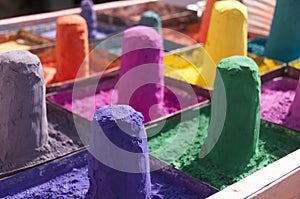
column 257, row 46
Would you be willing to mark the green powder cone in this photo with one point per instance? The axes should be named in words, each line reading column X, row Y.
column 235, row 119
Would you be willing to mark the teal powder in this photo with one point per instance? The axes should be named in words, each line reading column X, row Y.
column 284, row 41
column 274, row 143
column 151, row 19
column 235, row 119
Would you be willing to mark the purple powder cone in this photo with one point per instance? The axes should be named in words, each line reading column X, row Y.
column 89, row 14
column 118, row 166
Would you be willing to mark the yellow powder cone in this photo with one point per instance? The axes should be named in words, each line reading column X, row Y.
column 227, row 34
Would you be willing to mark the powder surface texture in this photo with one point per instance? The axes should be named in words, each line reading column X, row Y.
column 257, row 46
column 272, row 146
column 276, row 99
column 89, row 14
column 227, row 34
column 83, row 104
column 235, row 119
column 75, row 184
column 113, row 172
column 283, row 41
column 205, row 21
column 295, row 107
column 23, row 122
column 71, row 48
column 12, row 45
column 151, row 19
column 296, row 64
column 141, row 81
column 62, row 139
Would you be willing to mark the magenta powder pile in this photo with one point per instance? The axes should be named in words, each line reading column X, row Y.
column 83, row 105
column 277, row 98
column 141, row 82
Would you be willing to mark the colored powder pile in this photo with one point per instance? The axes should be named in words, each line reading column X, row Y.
column 257, row 46
column 295, row 107
column 62, row 139
column 28, row 135
column 235, row 114
column 71, row 53
column 141, row 79
column 117, row 173
column 12, row 45
column 188, row 66
column 271, row 147
column 83, row 104
column 151, row 19
column 265, row 64
column 227, row 34
column 205, row 21
column 23, row 125
column 276, row 99
column 283, row 41
column 296, row 64
column 75, row 184
column 89, row 14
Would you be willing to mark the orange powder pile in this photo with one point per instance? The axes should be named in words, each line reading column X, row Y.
column 201, row 36
column 71, row 48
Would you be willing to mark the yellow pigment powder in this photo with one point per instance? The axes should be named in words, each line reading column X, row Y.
column 12, row 45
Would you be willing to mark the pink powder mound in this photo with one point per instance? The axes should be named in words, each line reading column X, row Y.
column 83, row 104
column 141, row 80
column 295, row 107
column 276, row 99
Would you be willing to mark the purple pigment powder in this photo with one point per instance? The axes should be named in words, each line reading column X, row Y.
column 141, row 80
column 118, row 166
column 83, row 104
column 75, row 184
column 276, row 99
column 124, row 127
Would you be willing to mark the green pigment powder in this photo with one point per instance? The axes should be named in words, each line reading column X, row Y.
column 274, row 143
column 235, row 119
